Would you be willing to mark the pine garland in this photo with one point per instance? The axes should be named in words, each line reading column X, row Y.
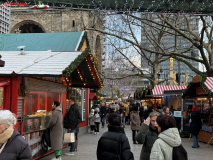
column 82, row 41
column 142, row 92
column 73, row 65
column 202, row 83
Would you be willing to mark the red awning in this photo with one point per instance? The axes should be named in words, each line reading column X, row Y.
column 93, row 96
column 2, row 84
column 159, row 89
column 209, row 83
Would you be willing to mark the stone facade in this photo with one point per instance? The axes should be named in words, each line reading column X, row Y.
column 64, row 20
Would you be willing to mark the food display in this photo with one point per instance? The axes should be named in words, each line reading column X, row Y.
column 40, row 113
column 37, row 121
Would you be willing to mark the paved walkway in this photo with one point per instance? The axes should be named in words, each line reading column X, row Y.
column 88, row 144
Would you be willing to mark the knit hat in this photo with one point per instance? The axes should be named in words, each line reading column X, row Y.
column 194, row 108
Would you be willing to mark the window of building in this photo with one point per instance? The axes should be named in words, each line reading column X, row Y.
column 73, row 23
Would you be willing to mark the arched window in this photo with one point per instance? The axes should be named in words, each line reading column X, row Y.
column 73, row 23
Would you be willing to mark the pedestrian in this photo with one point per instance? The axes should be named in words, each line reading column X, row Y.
column 95, row 106
column 76, row 137
column 56, row 130
column 195, row 125
column 97, row 120
column 166, row 111
column 118, row 109
column 140, row 111
column 135, row 122
column 147, row 135
column 13, row 146
column 114, row 144
column 168, row 138
column 103, row 113
column 127, row 112
column 71, row 120
column 123, row 112
column 147, row 112
column 91, row 121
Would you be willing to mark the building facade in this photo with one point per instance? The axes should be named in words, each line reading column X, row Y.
column 5, row 19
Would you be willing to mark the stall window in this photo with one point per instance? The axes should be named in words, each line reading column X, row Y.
column 40, row 101
column 79, row 95
column 1, row 97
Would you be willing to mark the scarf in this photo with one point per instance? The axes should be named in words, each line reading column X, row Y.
column 6, row 135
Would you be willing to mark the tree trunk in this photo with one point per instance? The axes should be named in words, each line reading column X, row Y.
column 154, row 74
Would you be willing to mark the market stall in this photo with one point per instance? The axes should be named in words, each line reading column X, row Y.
column 31, row 80
column 199, row 92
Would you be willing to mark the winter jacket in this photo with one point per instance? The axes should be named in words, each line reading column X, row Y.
column 163, row 146
column 16, row 148
column 147, row 136
column 141, row 109
column 97, row 118
column 72, row 117
column 127, row 110
column 196, row 123
column 91, row 119
column 56, row 131
column 109, row 147
column 147, row 112
column 135, row 120
column 95, row 106
column 103, row 111
column 123, row 110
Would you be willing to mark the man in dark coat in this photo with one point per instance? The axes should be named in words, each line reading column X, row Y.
column 71, row 120
column 114, row 143
column 147, row 135
column 195, row 125
column 56, row 132
column 103, row 113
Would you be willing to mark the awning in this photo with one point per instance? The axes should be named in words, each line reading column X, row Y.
column 2, row 84
column 209, row 83
column 159, row 89
column 93, row 96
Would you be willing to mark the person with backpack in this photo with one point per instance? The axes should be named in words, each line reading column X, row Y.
column 168, row 144
column 195, row 125
column 56, row 130
column 147, row 135
column 114, row 144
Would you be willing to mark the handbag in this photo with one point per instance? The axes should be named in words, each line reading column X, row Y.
column 3, row 147
column 190, row 120
column 69, row 138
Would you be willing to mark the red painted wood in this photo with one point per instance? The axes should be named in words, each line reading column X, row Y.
column 64, row 104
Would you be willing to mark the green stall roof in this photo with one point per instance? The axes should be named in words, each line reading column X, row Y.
column 65, row 41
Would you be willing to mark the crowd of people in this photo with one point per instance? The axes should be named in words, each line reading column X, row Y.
column 156, row 130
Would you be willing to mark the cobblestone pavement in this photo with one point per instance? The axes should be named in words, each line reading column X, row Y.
column 88, row 144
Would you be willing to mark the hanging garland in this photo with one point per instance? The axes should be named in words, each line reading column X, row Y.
column 23, row 91
column 141, row 92
column 202, row 83
column 73, row 65
column 84, row 37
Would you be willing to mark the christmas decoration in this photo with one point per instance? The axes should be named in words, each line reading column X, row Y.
column 23, row 91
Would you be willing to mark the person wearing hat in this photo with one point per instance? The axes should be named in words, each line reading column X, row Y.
column 195, row 125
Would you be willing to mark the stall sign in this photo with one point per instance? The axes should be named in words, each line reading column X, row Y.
column 15, row 4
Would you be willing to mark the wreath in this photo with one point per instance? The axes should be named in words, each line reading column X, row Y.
column 23, row 91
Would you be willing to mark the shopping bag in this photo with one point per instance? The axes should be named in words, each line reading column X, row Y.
column 69, row 138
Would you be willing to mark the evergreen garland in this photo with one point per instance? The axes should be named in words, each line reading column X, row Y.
column 202, row 83
column 73, row 65
column 140, row 93
column 82, row 41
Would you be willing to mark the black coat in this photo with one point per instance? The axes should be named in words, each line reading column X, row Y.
column 146, row 113
column 16, row 149
column 72, row 117
column 141, row 109
column 196, row 123
column 103, row 111
column 108, row 145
